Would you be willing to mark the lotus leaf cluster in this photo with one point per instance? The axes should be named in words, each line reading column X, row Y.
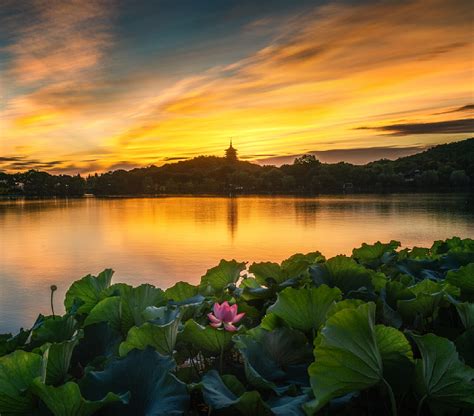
column 386, row 331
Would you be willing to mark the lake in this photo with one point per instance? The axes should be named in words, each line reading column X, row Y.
column 164, row 240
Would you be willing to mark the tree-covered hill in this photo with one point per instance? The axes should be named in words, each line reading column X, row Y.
column 447, row 167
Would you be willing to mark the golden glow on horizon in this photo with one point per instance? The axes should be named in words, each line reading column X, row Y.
column 324, row 76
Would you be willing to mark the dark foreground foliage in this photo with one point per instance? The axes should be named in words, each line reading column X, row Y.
column 385, row 331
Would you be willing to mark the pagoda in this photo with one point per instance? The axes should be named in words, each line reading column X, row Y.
column 231, row 153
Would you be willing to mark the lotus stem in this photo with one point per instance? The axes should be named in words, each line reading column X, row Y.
column 420, row 405
column 393, row 402
column 53, row 289
column 221, row 358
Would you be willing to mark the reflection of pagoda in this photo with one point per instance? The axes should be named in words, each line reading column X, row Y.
column 231, row 153
column 232, row 217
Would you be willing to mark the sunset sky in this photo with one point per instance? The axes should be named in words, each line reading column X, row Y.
column 88, row 86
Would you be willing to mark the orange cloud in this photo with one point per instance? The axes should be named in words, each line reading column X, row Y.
column 65, row 39
column 325, row 75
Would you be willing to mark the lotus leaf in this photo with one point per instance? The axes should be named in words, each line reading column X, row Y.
column 146, row 376
column 305, row 309
column 341, row 272
column 89, row 291
column 17, row 372
column 440, row 376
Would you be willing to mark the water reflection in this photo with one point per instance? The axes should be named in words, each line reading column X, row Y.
column 163, row 240
column 232, row 217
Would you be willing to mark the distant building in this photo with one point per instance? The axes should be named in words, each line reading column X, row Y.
column 348, row 188
column 231, row 153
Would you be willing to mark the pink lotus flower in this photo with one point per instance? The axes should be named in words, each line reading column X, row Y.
column 225, row 314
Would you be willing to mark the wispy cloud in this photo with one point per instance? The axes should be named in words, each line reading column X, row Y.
column 60, row 41
column 20, row 163
column 464, row 108
column 441, row 127
column 174, row 158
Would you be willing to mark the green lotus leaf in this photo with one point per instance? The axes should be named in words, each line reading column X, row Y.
column 458, row 257
column 374, row 254
column 233, row 384
column 424, row 306
column 351, row 354
column 125, row 311
column 395, row 291
column 379, row 281
column 17, row 372
column 227, row 395
column 162, row 337
column 251, row 290
column 430, row 287
column 218, row 278
column 135, row 300
column 299, row 263
column 161, row 315
column 206, row 338
column 56, row 361
column 146, row 376
column 442, row 247
column 221, row 398
column 252, row 313
column 249, row 282
column 465, row 346
column 420, row 269
column 341, row 272
column 9, row 343
column 98, row 340
column 251, row 403
column 117, row 289
column 454, row 252
column 419, row 253
column 464, row 279
column 66, row 400
column 428, row 298
column 107, row 310
column 305, row 309
column 440, row 377
column 343, row 304
column 265, row 271
column 466, row 313
column 271, row 321
column 397, row 358
column 181, row 291
column 276, row 359
column 288, row 405
column 89, row 290
column 387, row 315
column 52, row 329
column 190, row 307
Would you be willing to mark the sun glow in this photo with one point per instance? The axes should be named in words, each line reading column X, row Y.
column 332, row 78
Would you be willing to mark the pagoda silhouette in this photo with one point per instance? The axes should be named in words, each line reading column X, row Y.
column 231, row 153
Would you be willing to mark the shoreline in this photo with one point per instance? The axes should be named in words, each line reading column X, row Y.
column 239, row 195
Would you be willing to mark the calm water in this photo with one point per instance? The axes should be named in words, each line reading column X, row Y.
column 164, row 240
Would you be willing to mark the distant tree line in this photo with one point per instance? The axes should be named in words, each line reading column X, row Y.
column 41, row 184
column 443, row 168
